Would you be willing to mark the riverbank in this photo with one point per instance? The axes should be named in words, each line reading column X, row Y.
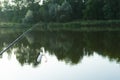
column 14, row 25
column 109, row 25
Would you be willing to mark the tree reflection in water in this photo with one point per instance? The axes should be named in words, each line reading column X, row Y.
column 68, row 46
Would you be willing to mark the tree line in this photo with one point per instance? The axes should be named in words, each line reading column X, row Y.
column 31, row 11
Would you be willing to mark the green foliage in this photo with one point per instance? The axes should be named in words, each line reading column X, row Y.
column 94, row 9
column 44, row 16
column 53, row 11
column 77, row 8
column 65, row 11
column 60, row 10
column 112, row 9
column 28, row 17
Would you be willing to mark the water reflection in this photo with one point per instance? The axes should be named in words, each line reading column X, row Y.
column 67, row 46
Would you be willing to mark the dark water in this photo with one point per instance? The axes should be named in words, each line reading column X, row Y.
column 69, row 55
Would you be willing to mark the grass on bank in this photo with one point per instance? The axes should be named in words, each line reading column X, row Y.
column 81, row 26
column 13, row 25
column 71, row 26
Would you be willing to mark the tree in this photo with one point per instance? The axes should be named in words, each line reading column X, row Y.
column 77, row 7
column 64, row 11
column 28, row 17
column 43, row 13
column 94, row 9
column 112, row 9
column 53, row 7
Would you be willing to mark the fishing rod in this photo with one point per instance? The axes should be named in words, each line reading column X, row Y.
column 16, row 40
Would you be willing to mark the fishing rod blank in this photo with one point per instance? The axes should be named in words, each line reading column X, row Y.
column 11, row 44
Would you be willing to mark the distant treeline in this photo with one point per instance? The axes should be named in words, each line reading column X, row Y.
column 31, row 11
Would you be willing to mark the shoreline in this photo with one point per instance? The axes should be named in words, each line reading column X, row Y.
column 109, row 25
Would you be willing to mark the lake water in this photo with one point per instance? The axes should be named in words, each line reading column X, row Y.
column 69, row 55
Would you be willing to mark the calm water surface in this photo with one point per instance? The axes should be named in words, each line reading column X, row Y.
column 68, row 55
